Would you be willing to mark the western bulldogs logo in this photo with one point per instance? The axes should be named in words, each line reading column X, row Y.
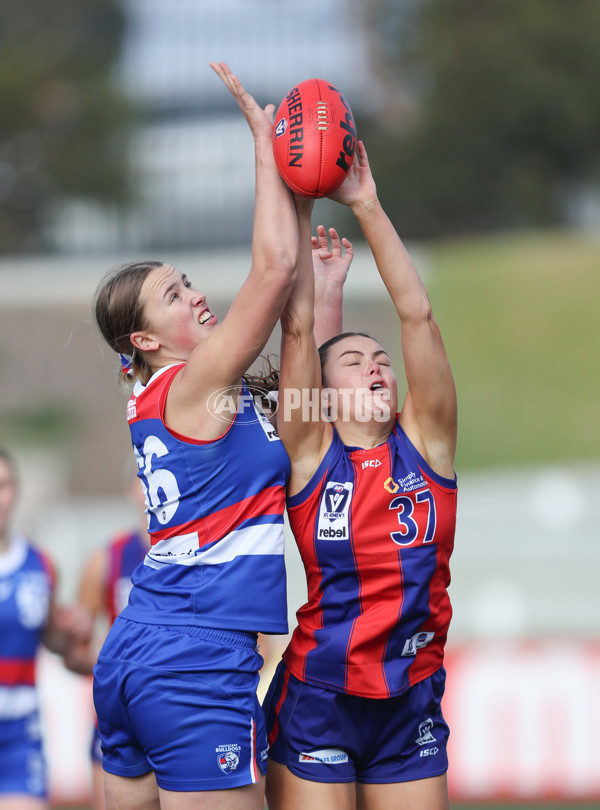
column 334, row 510
column 228, row 757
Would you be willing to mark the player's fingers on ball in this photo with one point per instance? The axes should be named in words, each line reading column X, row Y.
column 361, row 154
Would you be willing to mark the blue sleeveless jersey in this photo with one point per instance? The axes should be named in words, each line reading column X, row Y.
column 375, row 530
column 215, row 519
column 27, row 581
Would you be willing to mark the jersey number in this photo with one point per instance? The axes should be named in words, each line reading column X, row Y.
column 409, row 528
column 160, row 486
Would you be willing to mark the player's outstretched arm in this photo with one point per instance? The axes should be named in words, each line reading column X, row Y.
column 233, row 347
column 332, row 257
column 429, row 412
column 300, row 425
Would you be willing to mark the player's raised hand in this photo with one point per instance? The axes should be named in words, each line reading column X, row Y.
column 359, row 185
column 259, row 120
column 331, row 261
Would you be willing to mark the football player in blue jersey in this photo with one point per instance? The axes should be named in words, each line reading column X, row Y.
column 175, row 683
column 353, row 712
column 29, row 618
column 103, row 590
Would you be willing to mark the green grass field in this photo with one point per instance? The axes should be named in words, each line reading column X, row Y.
column 519, row 316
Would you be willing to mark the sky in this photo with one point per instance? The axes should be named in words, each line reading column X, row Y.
column 194, row 157
column 271, row 44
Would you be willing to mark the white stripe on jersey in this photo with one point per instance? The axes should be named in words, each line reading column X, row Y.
column 264, row 539
column 17, row 701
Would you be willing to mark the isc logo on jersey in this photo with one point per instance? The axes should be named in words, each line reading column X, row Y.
column 334, row 510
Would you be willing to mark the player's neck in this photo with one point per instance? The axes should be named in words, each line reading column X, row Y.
column 363, row 434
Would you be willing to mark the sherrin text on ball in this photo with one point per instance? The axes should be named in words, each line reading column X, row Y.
column 314, row 138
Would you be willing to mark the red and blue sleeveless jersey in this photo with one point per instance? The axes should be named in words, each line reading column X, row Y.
column 215, row 518
column 375, row 530
column 27, row 581
column 124, row 553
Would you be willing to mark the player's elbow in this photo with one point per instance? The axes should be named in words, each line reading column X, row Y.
column 278, row 270
column 297, row 323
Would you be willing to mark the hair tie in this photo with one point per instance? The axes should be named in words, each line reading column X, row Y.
column 126, row 363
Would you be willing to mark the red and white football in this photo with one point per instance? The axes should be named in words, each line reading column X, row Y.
column 314, row 138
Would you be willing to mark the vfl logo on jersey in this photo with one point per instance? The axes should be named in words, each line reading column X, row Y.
column 228, row 757
column 326, row 756
column 333, row 511
column 411, row 645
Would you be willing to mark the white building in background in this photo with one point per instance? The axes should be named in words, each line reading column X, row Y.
column 193, row 159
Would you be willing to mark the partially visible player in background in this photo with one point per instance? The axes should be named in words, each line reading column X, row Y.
column 103, row 593
column 29, row 618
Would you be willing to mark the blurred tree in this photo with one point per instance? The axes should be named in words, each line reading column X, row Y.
column 492, row 118
column 62, row 116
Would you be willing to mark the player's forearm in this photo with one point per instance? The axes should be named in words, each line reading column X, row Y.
column 275, row 234
column 393, row 261
column 328, row 310
column 299, row 314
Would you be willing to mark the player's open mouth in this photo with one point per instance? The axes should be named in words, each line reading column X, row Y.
column 206, row 316
column 376, row 387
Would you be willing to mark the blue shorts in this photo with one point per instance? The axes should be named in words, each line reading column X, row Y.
column 22, row 763
column 327, row 736
column 180, row 701
column 96, row 747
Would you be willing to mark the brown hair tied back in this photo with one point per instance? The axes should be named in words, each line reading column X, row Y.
column 119, row 313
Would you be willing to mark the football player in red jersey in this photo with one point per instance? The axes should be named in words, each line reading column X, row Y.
column 353, row 713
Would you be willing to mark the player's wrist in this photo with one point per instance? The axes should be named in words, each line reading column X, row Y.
column 366, row 207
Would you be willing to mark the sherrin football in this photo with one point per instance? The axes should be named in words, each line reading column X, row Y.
column 314, row 138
